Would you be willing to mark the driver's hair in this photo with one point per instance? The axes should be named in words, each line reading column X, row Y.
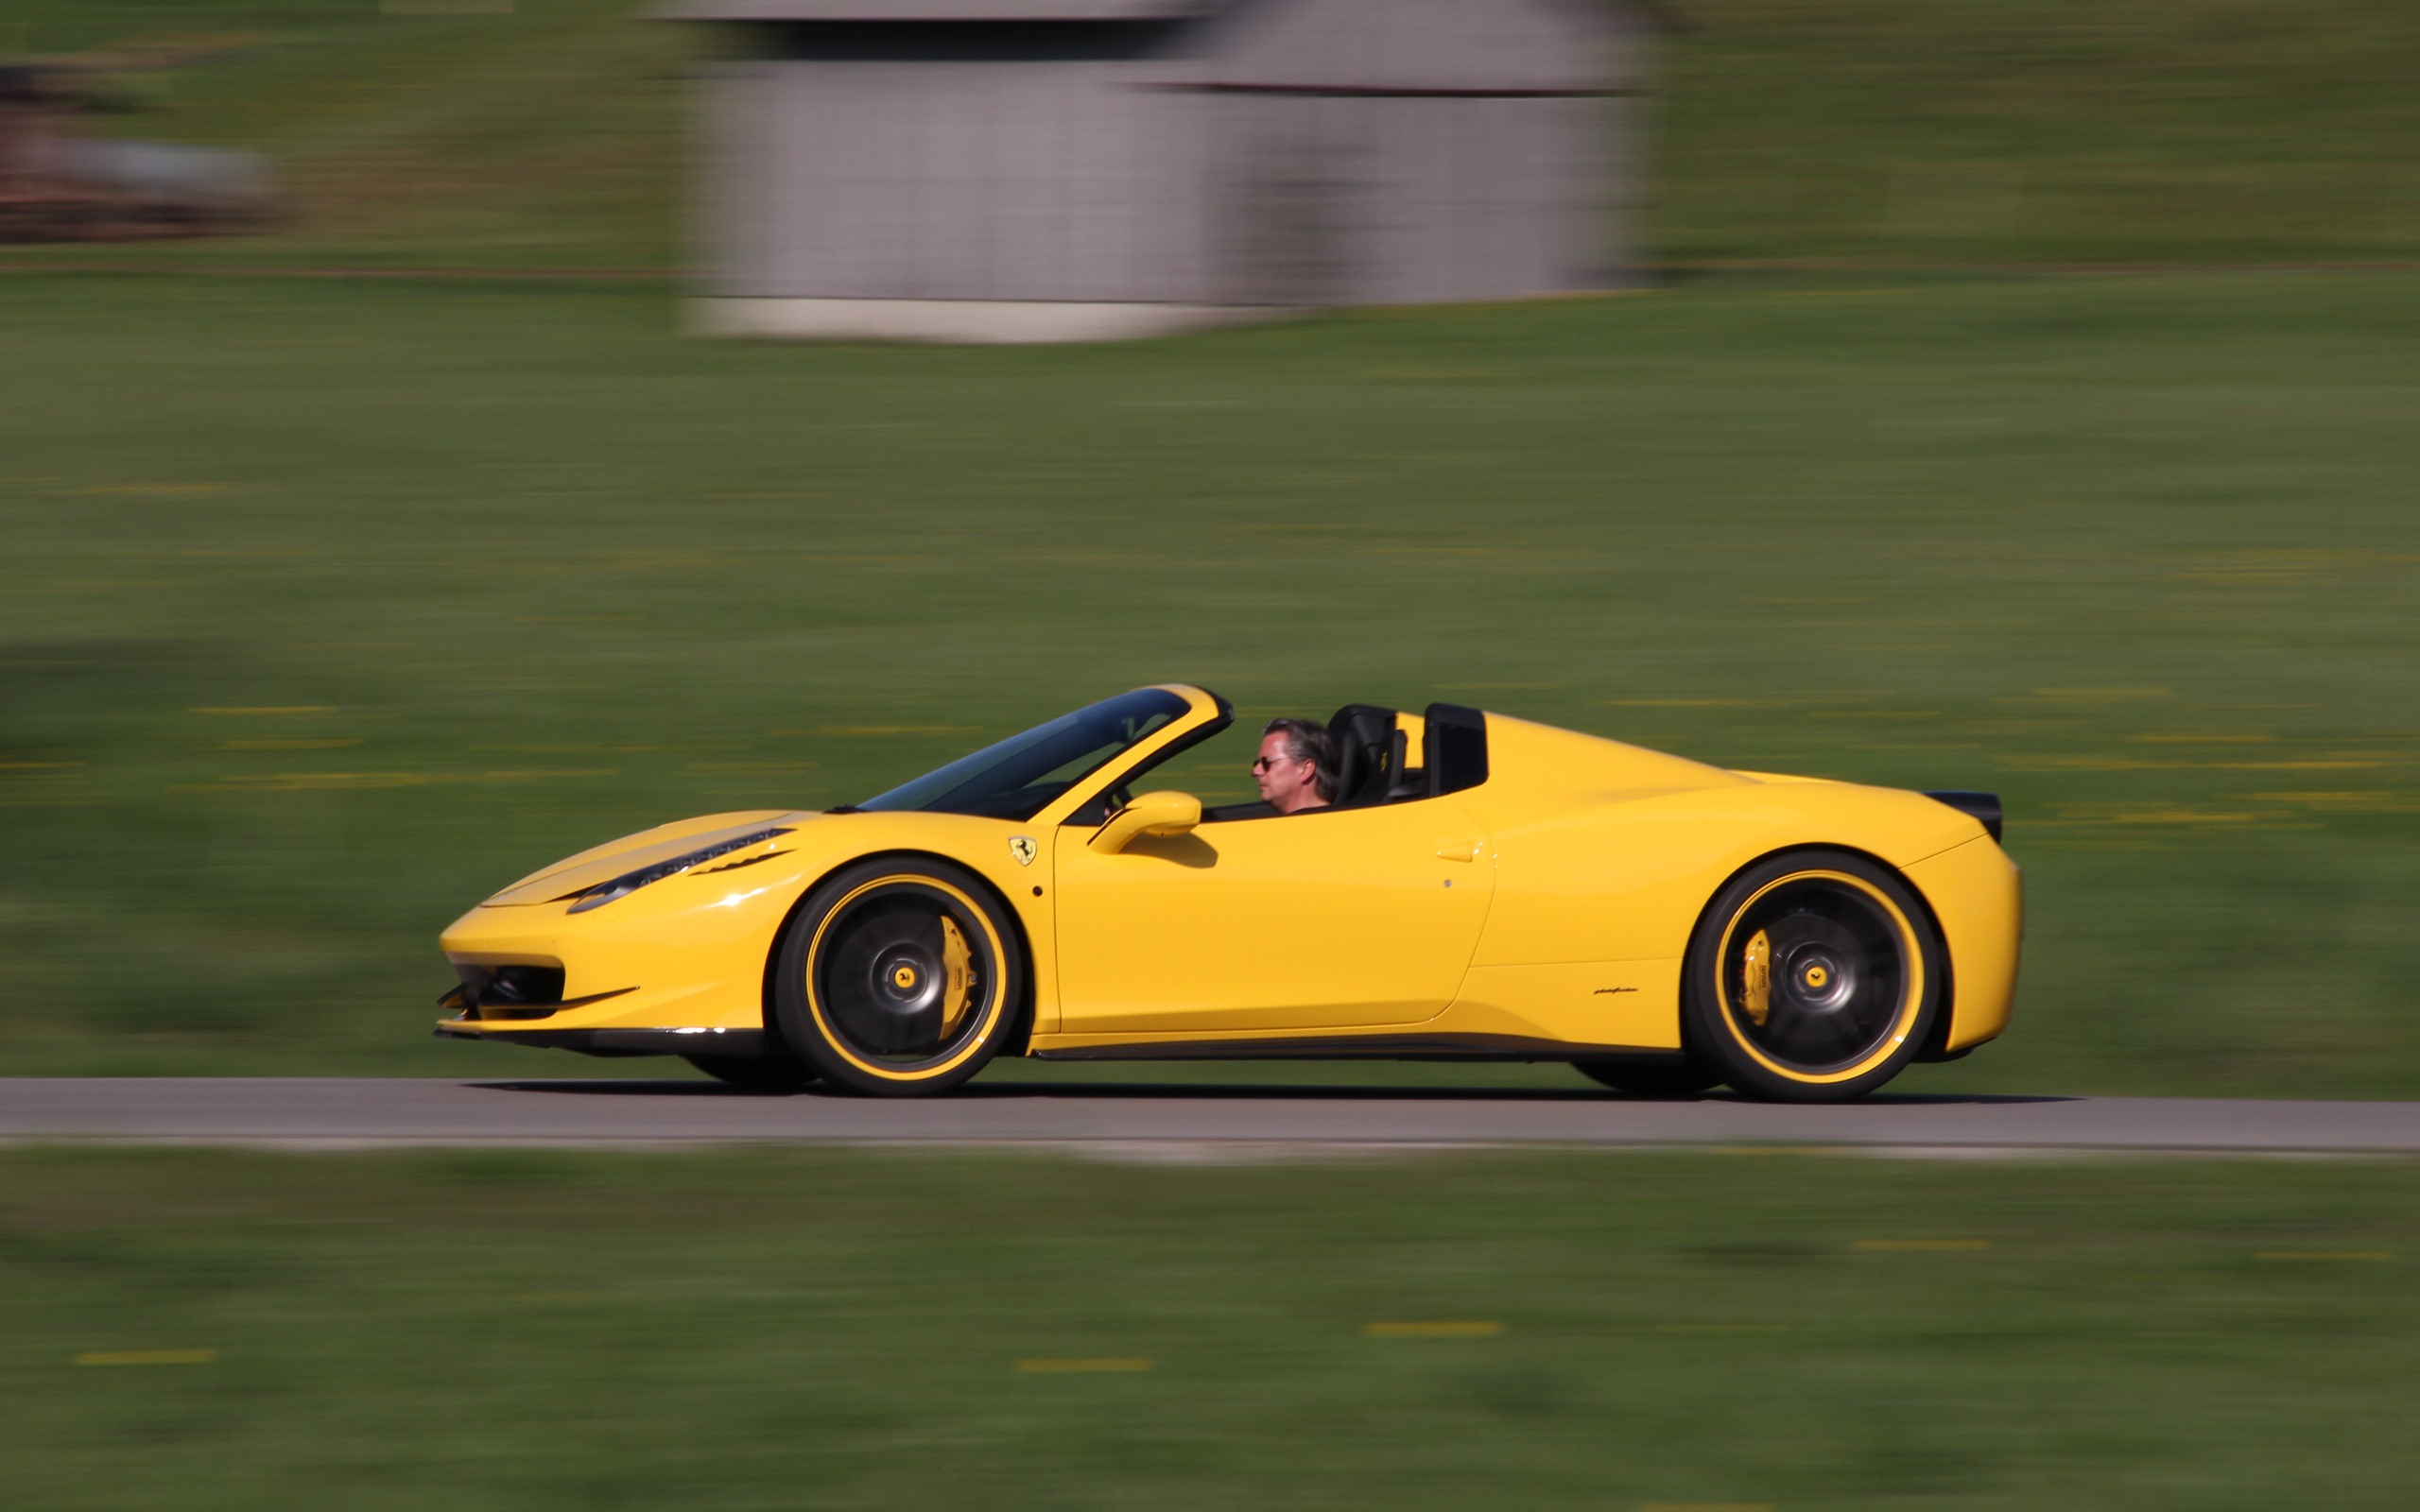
column 1307, row 740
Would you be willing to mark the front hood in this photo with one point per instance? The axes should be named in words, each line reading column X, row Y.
column 605, row 862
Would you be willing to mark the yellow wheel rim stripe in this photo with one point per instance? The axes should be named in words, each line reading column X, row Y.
column 957, row 956
column 1912, row 997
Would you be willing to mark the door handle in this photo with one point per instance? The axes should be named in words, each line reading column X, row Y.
column 1466, row 851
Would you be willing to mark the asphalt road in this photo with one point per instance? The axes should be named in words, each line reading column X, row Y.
column 1139, row 1116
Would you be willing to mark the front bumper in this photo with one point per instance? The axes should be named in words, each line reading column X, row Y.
column 684, row 1041
column 619, row 970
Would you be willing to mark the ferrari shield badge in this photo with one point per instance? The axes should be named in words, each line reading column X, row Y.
column 1020, row 847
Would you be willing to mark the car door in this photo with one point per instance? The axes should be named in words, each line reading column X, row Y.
column 1331, row 919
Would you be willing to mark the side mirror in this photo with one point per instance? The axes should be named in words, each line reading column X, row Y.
column 1150, row 813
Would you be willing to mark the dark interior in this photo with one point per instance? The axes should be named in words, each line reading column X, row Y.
column 1373, row 765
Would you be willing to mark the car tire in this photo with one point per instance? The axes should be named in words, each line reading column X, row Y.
column 1637, row 1080
column 898, row 978
column 775, row 1072
column 1813, row 977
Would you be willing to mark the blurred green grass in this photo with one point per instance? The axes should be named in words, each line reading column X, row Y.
column 541, row 133
column 1922, row 133
column 326, row 608
column 553, row 134
column 755, row 1329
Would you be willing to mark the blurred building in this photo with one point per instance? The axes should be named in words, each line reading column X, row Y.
column 56, row 185
column 1012, row 170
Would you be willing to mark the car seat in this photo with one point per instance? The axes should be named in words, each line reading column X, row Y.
column 1368, row 754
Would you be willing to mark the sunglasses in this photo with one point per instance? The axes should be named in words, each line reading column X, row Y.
column 1263, row 764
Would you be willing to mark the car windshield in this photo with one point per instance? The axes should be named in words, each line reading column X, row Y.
column 1018, row 777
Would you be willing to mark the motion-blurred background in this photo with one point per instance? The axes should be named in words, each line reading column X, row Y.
column 2018, row 396
column 2021, row 396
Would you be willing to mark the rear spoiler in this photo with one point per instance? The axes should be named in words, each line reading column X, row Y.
column 1983, row 806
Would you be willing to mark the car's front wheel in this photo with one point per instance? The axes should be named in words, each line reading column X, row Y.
column 898, row 978
column 1813, row 978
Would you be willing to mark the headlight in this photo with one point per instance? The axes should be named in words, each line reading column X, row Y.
column 631, row 881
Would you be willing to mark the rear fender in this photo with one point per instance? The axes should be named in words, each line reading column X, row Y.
column 1936, row 1036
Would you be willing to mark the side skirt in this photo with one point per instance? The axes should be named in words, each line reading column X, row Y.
column 629, row 1041
column 1371, row 1047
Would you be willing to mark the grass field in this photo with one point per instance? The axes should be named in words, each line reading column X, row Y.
column 1832, row 132
column 328, row 606
column 755, row 1330
column 327, row 609
column 2017, row 131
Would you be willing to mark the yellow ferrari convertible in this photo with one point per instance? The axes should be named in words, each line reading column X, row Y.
column 1481, row 888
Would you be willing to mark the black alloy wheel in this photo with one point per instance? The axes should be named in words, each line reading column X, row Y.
column 1814, row 976
column 898, row 978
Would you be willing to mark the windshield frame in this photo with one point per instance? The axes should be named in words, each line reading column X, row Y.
column 1202, row 707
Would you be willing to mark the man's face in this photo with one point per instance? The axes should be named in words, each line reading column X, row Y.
column 1285, row 783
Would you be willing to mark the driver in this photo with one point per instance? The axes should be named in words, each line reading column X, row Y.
column 1296, row 766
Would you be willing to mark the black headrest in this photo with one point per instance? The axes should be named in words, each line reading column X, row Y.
column 1364, row 733
column 1454, row 747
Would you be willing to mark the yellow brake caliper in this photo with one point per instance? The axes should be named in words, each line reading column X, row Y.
column 958, row 976
column 1759, row 991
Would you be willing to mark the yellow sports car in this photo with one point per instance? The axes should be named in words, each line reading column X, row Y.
column 1481, row 888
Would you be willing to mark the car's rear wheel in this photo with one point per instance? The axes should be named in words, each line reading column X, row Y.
column 777, row 1073
column 898, row 978
column 1683, row 1080
column 1813, row 978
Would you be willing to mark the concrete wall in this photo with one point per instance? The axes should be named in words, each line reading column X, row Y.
column 951, row 177
column 1409, row 200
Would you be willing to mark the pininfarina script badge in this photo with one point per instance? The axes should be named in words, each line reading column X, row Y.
column 1020, row 847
